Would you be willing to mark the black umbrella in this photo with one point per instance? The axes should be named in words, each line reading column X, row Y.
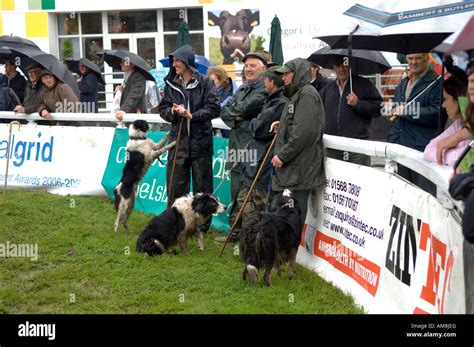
column 362, row 62
column 115, row 57
column 73, row 65
column 398, row 26
column 17, row 42
column 58, row 69
column 25, row 56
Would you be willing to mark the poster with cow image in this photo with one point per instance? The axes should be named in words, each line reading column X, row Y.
column 234, row 34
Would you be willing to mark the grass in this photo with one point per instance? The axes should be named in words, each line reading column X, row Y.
column 83, row 267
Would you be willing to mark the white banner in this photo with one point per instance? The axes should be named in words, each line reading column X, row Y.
column 390, row 245
column 61, row 160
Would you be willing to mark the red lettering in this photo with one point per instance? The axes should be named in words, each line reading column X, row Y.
column 447, row 280
column 438, row 248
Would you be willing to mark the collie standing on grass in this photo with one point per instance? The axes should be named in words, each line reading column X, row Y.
column 275, row 237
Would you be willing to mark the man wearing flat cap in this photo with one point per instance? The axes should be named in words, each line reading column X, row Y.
column 33, row 90
column 299, row 154
column 245, row 104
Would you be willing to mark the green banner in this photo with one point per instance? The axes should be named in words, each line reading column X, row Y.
column 151, row 192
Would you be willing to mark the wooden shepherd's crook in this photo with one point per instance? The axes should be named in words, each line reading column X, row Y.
column 257, row 176
column 178, row 139
column 8, row 158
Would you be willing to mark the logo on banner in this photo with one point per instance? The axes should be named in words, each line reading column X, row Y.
column 21, row 151
column 401, row 251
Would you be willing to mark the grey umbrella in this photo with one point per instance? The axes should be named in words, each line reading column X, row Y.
column 28, row 55
column 362, row 62
column 73, row 65
column 17, row 42
column 115, row 57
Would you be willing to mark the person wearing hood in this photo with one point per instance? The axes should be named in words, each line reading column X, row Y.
column 299, row 152
column 190, row 103
column 89, row 86
column 349, row 112
column 245, row 104
column 33, row 90
column 260, row 141
column 133, row 91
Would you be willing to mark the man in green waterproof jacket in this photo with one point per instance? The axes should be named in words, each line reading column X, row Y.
column 299, row 152
column 245, row 104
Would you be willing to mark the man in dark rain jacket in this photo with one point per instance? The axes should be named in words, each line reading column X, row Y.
column 299, row 151
column 189, row 102
column 349, row 112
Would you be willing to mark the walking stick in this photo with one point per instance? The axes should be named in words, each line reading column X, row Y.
column 257, row 176
column 178, row 138
column 8, row 158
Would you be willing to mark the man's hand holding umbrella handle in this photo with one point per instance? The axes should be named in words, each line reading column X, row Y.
column 19, row 109
column 397, row 112
column 352, row 99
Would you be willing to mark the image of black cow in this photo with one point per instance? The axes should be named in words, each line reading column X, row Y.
column 235, row 32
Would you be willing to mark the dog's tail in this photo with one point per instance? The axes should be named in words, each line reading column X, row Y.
column 252, row 271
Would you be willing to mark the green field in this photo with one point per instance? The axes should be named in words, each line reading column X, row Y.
column 82, row 267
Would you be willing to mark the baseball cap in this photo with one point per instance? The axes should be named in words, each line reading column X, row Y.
column 256, row 55
column 283, row 69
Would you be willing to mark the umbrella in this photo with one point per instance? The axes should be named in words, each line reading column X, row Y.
column 115, row 57
column 201, row 62
column 73, row 65
column 461, row 40
column 183, row 34
column 397, row 26
column 275, row 42
column 16, row 42
column 28, row 55
column 362, row 63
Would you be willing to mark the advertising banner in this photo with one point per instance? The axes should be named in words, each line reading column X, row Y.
column 61, row 160
column 389, row 244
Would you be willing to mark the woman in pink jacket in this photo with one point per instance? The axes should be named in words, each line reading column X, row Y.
column 452, row 89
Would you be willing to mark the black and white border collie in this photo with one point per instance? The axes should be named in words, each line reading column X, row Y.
column 276, row 236
column 176, row 224
column 141, row 152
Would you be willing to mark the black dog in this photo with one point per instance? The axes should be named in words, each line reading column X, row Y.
column 176, row 224
column 141, row 152
column 276, row 236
